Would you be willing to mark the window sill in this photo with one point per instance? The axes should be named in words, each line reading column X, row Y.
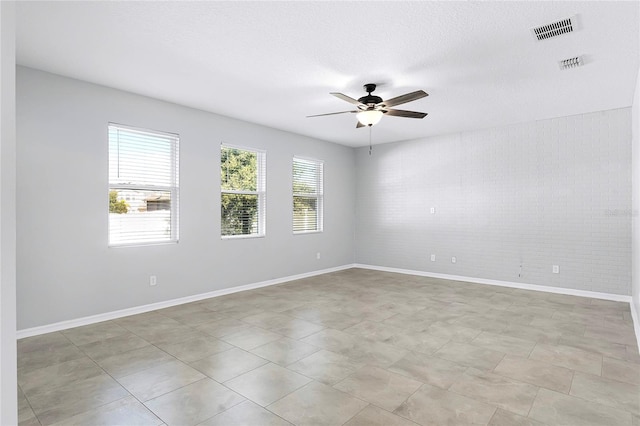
column 143, row 244
column 241, row 237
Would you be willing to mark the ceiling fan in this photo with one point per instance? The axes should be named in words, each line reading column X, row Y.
column 371, row 108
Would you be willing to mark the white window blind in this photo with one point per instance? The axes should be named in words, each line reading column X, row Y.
column 307, row 195
column 243, row 192
column 143, row 186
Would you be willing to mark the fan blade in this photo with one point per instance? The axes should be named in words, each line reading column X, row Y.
column 403, row 113
column 331, row 113
column 359, row 124
column 403, row 99
column 346, row 98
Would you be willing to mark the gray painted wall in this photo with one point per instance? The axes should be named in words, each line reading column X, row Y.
column 65, row 269
column 635, row 282
column 551, row 192
column 8, row 377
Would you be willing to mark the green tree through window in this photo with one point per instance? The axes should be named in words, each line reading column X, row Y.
column 242, row 191
column 116, row 206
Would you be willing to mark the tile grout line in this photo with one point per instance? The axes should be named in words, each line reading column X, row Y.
column 120, row 384
column 145, row 369
column 30, row 406
column 95, row 363
column 534, row 401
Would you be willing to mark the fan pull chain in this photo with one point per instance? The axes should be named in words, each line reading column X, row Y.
column 370, row 139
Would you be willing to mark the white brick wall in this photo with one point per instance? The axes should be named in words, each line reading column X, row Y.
column 552, row 192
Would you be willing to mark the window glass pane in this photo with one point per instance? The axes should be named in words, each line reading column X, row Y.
column 137, row 216
column 307, row 195
column 305, row 214
column 305, row 177
column 239, row 214
column 238, row 169
column 243, row 197
column 143, row 186
column 139, row 158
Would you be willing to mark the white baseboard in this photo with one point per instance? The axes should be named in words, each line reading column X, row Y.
column 546, row 289
column 635, row 310
column 64, row 325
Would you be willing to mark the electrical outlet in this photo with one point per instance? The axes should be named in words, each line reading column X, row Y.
column 433, row 210
column 556, row 269
column 153, row 280
column 318, row 255
column 433, row 257
column 453, row 259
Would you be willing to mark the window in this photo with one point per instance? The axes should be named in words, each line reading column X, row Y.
column 307, row 195
column 243, row 198
column 143, row 186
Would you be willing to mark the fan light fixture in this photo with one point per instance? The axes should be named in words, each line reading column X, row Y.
column 369, row 117
column 370, row 108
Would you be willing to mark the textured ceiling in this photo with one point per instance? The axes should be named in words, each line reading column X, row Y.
column 273, row 63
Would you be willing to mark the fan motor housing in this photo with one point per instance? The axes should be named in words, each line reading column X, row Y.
column 370, row 99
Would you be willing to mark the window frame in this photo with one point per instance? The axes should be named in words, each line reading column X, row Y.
column 318, row 195
column 261, row 191
column 173, row 189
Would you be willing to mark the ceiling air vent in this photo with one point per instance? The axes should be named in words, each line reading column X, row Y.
column 575, row 62
column 555, row 29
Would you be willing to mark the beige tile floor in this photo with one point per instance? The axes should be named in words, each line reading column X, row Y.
column 355, row 347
